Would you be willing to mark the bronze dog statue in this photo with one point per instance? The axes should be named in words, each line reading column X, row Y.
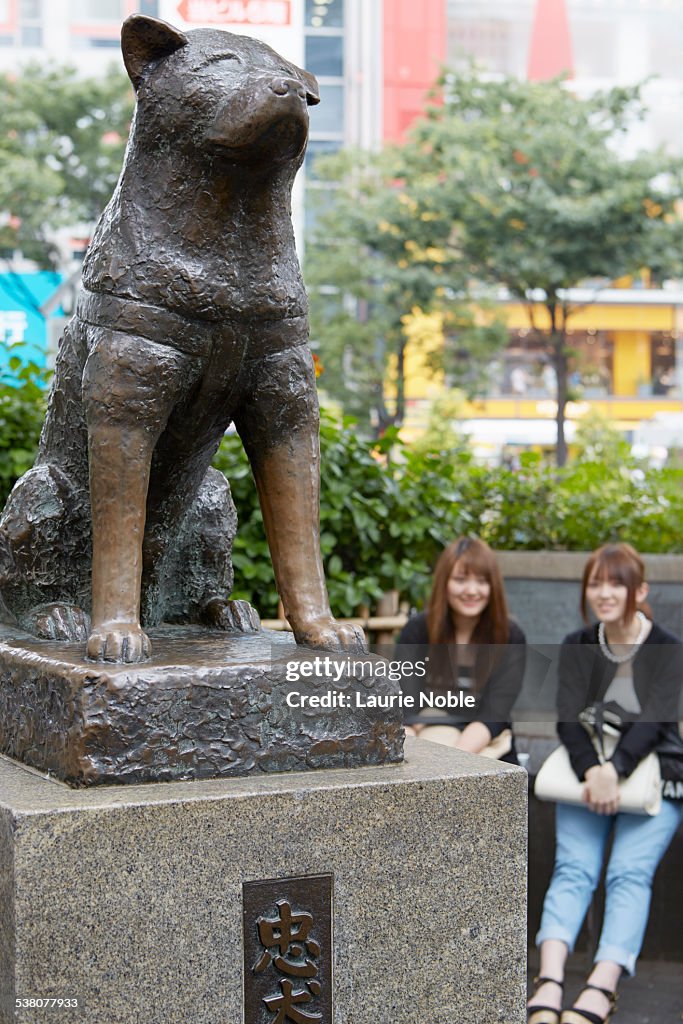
column 193, row 316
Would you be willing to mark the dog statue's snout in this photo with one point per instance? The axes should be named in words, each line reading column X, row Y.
column 285, row 86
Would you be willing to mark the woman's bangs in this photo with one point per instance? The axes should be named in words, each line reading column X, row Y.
column 615, row 566
column 474, row 561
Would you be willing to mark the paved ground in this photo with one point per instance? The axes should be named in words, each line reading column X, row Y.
column 654, row 996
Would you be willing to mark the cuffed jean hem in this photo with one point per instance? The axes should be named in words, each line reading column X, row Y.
column 617, row 955
column 557, row 933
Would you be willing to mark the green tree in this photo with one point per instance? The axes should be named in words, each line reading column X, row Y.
column 62, row 139
column 598, row 440
column 527, row 183
column 371, row 262
column 443, row 433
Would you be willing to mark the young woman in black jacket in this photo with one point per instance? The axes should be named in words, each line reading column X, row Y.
column 629, row 662
column 467, row 648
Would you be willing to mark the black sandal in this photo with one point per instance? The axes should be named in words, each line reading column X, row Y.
column 543, row 1014
column 582, row 1016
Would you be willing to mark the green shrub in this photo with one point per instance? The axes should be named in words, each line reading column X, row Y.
column 22, row 408
column 359, row 503
column 387, row 510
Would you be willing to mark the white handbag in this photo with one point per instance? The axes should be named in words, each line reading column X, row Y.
column 640, row 793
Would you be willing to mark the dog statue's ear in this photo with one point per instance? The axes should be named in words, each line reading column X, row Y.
column 312, row 88
column 145, row 40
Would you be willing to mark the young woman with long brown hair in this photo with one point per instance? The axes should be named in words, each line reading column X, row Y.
column 627, row 661
column 468, row 648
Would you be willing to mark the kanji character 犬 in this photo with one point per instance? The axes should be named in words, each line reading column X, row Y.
column 287, row 1002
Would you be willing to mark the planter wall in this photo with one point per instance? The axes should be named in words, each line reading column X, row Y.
column 544, row 589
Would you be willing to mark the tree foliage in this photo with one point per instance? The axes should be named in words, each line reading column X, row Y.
column 504, row 183
column 529, row 184
column 598, row 440
column 62, row 139
column 371, row 262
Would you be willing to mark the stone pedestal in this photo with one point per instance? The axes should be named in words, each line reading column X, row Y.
column 131, row 899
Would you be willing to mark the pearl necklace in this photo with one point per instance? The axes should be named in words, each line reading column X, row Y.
column 619, row 659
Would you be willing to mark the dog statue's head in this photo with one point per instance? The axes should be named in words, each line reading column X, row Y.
column 209, row 89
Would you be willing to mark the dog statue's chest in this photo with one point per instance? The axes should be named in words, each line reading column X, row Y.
column 224, row 267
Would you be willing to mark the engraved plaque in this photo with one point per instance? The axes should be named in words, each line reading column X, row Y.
column 288, row 950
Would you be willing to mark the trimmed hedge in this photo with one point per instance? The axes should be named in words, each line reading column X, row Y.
column 387, row 511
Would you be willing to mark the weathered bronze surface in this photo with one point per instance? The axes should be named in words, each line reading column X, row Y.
column 288, row 950
column 193, row 315
column 196, row 709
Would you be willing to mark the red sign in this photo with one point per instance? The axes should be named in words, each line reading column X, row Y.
column 235, row 12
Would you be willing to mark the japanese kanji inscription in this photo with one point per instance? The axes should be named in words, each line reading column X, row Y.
column 288, row 950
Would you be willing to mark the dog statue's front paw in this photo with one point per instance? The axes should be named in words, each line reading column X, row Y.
column 329, row 635
column 122, row 642
column 57, row 622
column 226, row 615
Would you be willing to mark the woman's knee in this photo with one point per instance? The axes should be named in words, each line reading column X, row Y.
column 632, row 876
column 581, row 875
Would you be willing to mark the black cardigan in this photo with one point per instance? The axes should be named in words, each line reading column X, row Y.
column 498, row 694
column 584, row 677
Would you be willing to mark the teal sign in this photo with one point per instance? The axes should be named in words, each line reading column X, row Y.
column 23, row 328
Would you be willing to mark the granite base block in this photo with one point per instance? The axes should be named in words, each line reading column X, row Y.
column 205, row 705
column 130, row 898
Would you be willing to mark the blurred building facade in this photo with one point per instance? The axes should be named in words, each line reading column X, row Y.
column 375, row 61
column 613, row 42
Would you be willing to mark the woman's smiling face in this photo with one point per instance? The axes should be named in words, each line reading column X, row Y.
column 468, row 592
column 607, row 598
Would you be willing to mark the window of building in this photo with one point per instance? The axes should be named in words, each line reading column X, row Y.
column 325, row 13
column 525, row 369
column 31, row 35
column 318, row 202
column 97, row 23
column 591, row 367
column 96, row 10
column 325, row 55
column 328, row 115
column 21, row 23
column 30, row 10
column 663, row 362
column 495, row 32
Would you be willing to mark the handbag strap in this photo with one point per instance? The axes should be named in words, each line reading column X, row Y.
column 593, row 720
column 599, row 719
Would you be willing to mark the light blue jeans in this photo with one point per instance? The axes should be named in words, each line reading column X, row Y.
column 639, row 844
